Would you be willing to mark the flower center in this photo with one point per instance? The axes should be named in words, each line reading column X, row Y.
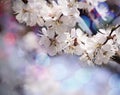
column 53, row 42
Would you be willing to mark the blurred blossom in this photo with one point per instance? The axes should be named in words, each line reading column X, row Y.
column 38, row 81
column 83, row 76
column 36, row 72
column 21, row 52
column 3, row 54
column 101, row 76
column 113, row 81
column 30, row 41
column 59, row 71
column 42, row 59
column 103, row 9
column 70, row 85
column 114, row 91
column 10, row 38
column 91, row 90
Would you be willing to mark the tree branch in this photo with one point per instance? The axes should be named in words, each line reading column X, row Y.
column 110, row 35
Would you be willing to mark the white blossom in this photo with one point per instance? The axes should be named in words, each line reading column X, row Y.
column 63, row 24
column 30, row 40
column 62, row 29
column 97, row 51
column 29, row 13
column 74, row 42
column 53, row 42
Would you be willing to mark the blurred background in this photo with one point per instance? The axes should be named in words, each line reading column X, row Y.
column 26, row 69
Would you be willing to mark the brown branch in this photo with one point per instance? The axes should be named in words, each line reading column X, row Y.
column 109, row 36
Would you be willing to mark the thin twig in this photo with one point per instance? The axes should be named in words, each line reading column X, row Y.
column 109, row 36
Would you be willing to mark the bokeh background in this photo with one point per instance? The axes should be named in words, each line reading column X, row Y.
column 26, row 69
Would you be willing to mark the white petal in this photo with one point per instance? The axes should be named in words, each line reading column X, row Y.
column 52, row 51
column 45, row 41
column 51, row 34
column 44, row 31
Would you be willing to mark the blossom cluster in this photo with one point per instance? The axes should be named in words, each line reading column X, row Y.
column 64, row 31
